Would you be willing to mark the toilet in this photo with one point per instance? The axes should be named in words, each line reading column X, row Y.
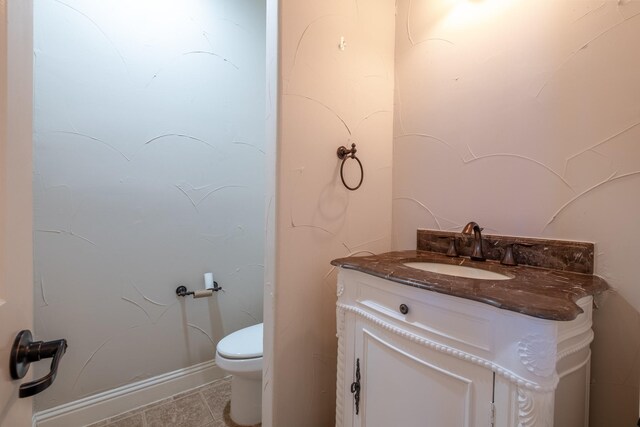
column 240, row 354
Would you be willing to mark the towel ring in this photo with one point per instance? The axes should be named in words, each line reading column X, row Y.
column 344, row 154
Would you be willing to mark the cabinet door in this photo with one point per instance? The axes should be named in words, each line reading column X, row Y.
column 407, row 384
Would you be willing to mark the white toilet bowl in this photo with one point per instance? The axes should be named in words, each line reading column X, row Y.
column 240, row 354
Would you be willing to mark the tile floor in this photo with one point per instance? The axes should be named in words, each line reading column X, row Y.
column 206, row 406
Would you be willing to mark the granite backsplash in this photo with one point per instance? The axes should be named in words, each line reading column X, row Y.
column 577, row 257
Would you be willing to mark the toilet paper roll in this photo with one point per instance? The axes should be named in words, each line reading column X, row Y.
column 208, row 280
column 203, row 293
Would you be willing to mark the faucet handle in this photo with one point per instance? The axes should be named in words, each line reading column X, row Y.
column 508, row 258
column 452, row 251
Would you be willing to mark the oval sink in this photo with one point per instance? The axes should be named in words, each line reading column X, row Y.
column 458, row 270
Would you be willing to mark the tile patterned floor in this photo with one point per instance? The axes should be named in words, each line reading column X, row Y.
column 206, row 406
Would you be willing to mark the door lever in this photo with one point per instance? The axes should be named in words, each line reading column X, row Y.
column 25, row 351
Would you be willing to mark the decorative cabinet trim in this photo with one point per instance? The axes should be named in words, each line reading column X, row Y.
column 340, row 321
column 505, row 373
column 538, row 354
column 526, row 408
column 535, row 409
column 582, row 344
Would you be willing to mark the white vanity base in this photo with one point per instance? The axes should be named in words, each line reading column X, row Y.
column 455, row 362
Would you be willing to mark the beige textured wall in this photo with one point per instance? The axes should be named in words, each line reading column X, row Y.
column 149, row 171
column 328, row 97
column 16, row 203
column 525, row 117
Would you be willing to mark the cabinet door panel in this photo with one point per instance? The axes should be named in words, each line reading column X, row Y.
column 406, row 384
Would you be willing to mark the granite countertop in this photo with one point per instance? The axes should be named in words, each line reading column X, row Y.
column 534, row 291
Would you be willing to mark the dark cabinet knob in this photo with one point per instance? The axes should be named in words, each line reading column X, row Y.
column 404, row 308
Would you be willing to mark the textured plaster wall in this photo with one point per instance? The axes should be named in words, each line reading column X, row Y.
column 149, row 171
column 328, row 97
column 525, row 117
column 270, row 252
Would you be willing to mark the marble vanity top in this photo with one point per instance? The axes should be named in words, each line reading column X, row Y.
column 534, row 291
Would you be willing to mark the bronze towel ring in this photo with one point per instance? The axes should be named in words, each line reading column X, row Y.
column 344, row 154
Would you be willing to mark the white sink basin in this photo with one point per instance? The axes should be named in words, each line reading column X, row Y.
column 458, row 270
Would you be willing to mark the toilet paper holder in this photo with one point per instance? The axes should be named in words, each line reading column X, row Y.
column 182, row 291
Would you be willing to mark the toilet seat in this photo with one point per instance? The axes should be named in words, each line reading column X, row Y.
column 241, row 352
column 243, row 344
column 251, row 367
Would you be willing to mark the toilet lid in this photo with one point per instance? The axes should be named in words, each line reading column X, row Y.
column 243, row 344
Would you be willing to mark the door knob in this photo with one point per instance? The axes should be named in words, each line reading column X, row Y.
column 25, row 351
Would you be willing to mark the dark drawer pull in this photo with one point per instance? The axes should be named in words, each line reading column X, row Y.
column 404, row 308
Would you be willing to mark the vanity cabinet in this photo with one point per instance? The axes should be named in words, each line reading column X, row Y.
column 412, row 357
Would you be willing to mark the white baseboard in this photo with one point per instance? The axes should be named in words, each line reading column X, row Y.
column 128, row 397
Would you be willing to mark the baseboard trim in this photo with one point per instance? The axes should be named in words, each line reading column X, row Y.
column 107, row 404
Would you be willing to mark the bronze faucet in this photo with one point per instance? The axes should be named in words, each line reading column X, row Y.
column 472, row 227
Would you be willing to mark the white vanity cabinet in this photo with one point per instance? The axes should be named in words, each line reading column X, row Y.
column 447, row 361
